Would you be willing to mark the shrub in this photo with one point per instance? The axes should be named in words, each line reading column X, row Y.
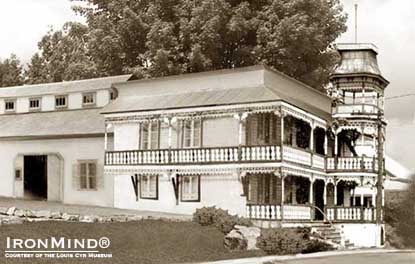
column 282, row 241
column 316, row 246
column 219, row 218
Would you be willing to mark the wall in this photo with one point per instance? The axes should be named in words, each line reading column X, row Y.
column 222, row 191
column 220, row 132
column 48, row 101
column 362, row 235
column 71, row 150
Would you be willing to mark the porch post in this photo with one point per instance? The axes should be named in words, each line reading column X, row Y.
column 325, row 193
column 325, row 144
column 335, row 144
column 362, row 199
column 106, row 137
column 282, row 195
column 374, row 199
column 312, row 137
column 335, row 193
column 282, row 133
column 310, row 198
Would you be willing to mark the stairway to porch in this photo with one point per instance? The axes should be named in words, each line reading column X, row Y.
column 331, row 234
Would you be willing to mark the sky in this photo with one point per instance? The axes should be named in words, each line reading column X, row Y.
column 390, row 24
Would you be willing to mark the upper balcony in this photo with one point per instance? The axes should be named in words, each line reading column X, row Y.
column 239, row 155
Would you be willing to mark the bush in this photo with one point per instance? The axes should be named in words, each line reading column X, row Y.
column 219, row 218
column 316, row 246
column 283, row 241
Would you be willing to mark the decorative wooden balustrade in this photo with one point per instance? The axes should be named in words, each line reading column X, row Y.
column 240, row 154
column 363, row 164
column 194, row 155
column 356, row 109
column 273, row 212
column 351, row 214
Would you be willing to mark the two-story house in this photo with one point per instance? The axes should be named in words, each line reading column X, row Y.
column 255, row 142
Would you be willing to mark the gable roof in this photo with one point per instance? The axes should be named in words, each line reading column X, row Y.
column 63, row 87
column 224, row 87
column 52, row 124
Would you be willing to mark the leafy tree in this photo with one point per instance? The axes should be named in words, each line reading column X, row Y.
column 63, row 55
column 154, row 38
column 10, row 72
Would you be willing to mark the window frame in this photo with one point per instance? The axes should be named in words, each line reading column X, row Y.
column 93, row 96
column 149, row 135
column 87, row 176
column 8, row 101
column 66, row 101
column 39, row 107
column 156, row 197
column 189, row 200
column 189, row 125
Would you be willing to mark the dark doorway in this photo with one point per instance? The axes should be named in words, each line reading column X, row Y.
column 318, row 190
column 35, row 177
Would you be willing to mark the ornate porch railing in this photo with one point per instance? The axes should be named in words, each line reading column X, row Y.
column 355, row 109
column 263, row 212
column 297, row 212
column 351, row 214
column 363, row 164
column 194, row 155
column 273, row 212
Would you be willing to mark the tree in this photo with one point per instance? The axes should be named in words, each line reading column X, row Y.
column 10, row 72
column 63, row 55
column 163, row 37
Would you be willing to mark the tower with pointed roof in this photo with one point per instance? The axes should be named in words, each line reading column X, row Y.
column 358, row 114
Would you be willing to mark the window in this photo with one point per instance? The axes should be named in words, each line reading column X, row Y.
column 192, row 133
column 88, row 99
column 113, row 95
column 191, row 188
column 61, row 101
column 34, row 103
column 10, row 105
column 88, row 175
column 149, row 186
column 150, row 135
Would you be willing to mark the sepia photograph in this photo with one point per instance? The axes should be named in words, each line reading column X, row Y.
column 207, row 131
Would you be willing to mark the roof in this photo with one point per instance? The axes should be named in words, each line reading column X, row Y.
column 55, row 123
column 63, row 87
column 233, row 86
column 357, row 58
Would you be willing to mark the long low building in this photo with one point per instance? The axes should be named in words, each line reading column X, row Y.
column 250, row 140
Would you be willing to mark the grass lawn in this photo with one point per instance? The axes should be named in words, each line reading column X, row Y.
column 148, row 241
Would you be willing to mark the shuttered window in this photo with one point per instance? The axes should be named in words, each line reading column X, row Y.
column 191, row 188
column 87, row 175
column 149, row 186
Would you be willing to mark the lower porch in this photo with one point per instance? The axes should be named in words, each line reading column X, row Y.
column 299, row 199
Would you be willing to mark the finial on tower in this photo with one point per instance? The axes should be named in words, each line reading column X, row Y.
column 355, row 21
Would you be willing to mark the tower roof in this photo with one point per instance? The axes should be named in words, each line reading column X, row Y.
column 358, row 59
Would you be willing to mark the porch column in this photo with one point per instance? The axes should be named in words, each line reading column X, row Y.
column 335, row 144
column 310, row 198
column 325, row 193
column 312, row 137
column 282, row 195
column 325, row 144
column 282, row 133
column 363, row 135
column 362, row 199
column 106, row 137
column 335, row 193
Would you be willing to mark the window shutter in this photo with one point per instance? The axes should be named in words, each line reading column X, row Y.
column 100, row 177
column 83, row 172
column 92, row 175
column 153, row 186
column 76, row 183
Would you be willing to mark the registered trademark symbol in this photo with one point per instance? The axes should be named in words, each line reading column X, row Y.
column 104, row 242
